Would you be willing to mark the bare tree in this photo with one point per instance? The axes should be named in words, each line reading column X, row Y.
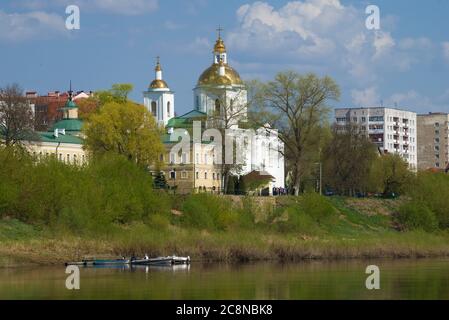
column 297, row 106
column 16, row 117
column 229, row 110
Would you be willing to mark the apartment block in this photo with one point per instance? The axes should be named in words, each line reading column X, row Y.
column 392, row 130
column 433, row 141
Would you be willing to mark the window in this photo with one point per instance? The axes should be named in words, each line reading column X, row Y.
column 83, row 158
column 197, row 102
column 218, row 176
column 68, row 157
column 376, row 118
column 197, row 158
column 75, row 158
column 197, row 175
column 173, row 174
column 217, row 106
column 172, row 158
column 184, row 175
column 363, row 119
column 341, row 119
column 184, row 158
column 205, row 175
column 213, row 176
column 168, row 109
column 154, row 108
column 60, row 156
column 205, row 159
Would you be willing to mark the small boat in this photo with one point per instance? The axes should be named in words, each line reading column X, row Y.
column 169, row 260
column 98, row 262
column 110, row 262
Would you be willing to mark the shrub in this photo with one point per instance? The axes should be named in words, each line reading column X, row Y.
column 109, row 190
column 414, row 215
column 432, row 190
column 318, row 208
column 207, row 211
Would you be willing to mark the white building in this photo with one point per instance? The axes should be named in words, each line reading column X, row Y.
column 392, row 130
column 219, row 92
column 159, row 99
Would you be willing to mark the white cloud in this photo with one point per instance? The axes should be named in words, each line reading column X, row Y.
column 198, row 46
column 128, row 7
column 445, row 46
column 383, row 43
column 24, row 26
column 366, row 97
column 325, row 34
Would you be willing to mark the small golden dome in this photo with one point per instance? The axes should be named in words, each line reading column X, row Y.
column 158, row 84
column 210, row 76
column 219, row 46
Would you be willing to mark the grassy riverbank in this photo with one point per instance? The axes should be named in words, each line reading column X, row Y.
column 51, row 212
column 360, row 229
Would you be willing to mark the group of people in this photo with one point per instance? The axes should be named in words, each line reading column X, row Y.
column 280, row 191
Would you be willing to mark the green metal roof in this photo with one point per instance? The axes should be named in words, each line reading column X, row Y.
column 193, row 114
column 185, row 121
column 62, row 138
column 70, row 104
column 68, row 125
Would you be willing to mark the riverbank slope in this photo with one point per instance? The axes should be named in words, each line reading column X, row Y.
column 270, row 230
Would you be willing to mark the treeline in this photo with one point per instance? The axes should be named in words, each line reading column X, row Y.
column 109, row 190
column 354, row 166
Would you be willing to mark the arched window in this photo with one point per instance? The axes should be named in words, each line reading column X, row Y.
column 168, row 109
column 217, row 106
column 197, row 102
column 153, row 108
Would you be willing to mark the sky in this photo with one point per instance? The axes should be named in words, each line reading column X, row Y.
column 404, row 64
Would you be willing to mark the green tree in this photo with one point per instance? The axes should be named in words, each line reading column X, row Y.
column 127, row 129
column 159, row 181
column 298, row 106
column 390, row 174
column 348, row 157
column 118, row 93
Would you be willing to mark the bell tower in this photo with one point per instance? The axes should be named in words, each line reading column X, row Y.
column 159, row 99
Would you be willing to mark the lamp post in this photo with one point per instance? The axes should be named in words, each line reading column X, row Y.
column 174, row 180
column 320, row 186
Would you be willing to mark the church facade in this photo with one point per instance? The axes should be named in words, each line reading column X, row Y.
column 220, row 106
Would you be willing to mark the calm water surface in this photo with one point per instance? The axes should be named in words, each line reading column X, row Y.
column 400, row 279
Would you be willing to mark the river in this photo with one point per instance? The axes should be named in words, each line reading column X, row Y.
column 399, row 279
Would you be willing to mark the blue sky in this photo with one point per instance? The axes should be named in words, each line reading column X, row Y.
column 405, row 63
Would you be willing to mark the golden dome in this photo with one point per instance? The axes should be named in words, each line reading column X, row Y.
column 158, row 84
column 210, row 76
column 219, row 46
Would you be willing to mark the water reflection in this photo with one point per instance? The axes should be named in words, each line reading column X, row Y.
column 400, row 279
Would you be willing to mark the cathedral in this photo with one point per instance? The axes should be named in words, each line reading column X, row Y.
column 220, row 100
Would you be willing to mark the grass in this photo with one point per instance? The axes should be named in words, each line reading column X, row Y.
column 351, row 235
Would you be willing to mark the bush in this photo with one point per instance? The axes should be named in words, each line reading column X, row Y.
column 318, row 208
column 432, row 190
column 108, row 191
column 207, row 211
column 298, row 221
column 414, row 215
